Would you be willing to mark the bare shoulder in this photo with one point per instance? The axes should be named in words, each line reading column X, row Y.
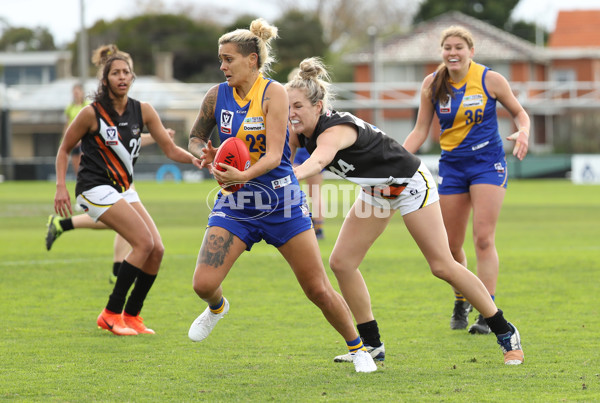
column 148, row 112
column 146, row 107
column 88, row 113
column 496, row 84
column 211, row 95
column 276, row 87
column 276, row 91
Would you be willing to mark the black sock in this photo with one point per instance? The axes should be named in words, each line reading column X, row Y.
column 369, row 333
column 138, row 294
column 116, row 266
column 66, row 224
column 498, row 324
column 127, row 275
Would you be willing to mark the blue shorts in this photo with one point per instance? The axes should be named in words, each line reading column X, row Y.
column 458, row 173
column 276, row 228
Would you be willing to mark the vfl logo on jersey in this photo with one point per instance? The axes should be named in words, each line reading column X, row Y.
column 445, row 106
column 226, row 121
column 498, row 167
column 112, row 136
column 473, row 100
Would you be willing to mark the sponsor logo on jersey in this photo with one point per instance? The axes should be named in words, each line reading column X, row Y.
column 479, row 146
column 254, row 127
column 305, row 210
column 226, row 121
column 473, row 100
column 254, row 119
column 281, row 182
column 112, row 136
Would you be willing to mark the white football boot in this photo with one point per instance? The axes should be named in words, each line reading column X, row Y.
column 205, row 323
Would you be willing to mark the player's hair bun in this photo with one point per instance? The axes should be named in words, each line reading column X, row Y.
column 263, row 29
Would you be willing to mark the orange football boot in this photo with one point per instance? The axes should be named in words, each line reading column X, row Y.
column 113, row 322
column 136, row 323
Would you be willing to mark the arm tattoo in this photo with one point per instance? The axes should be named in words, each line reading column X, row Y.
column 205, row 122
column 215, row 248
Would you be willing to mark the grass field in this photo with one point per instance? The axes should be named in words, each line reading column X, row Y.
column 274, row 345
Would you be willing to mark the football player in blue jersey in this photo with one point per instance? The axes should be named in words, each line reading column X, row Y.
column 270, row 206
column 472, row 169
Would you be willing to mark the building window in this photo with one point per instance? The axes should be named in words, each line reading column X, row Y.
column 563, row 75
column 46, row 144
column 29, row 75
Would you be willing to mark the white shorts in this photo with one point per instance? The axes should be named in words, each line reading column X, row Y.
column 100, row 198
column 421, row 191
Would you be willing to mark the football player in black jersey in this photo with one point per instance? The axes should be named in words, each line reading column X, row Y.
column 391, row 179
column 109, row 130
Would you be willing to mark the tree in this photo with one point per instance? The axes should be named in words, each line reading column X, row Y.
column 496, row 13
column 300, row 36
column 25, row 39
column 193, row 44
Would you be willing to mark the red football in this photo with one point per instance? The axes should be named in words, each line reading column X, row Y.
column 233, row 152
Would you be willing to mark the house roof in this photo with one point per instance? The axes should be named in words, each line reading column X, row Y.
column 576, row 28
column 422, row 44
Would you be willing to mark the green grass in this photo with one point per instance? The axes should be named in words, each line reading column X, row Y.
column 274, row 345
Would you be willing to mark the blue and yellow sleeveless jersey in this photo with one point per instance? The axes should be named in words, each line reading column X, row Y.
column 468, row 121
column 244, row 118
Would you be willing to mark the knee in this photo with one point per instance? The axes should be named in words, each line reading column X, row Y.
column 442, row 269
column 158, row 250
column 337, row 264
column 320, row 296
column 483, row 243
column 145, row 246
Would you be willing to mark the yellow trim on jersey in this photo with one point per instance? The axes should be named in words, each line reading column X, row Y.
column 253, row 129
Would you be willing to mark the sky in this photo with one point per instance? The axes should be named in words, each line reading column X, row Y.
column 64, row 21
